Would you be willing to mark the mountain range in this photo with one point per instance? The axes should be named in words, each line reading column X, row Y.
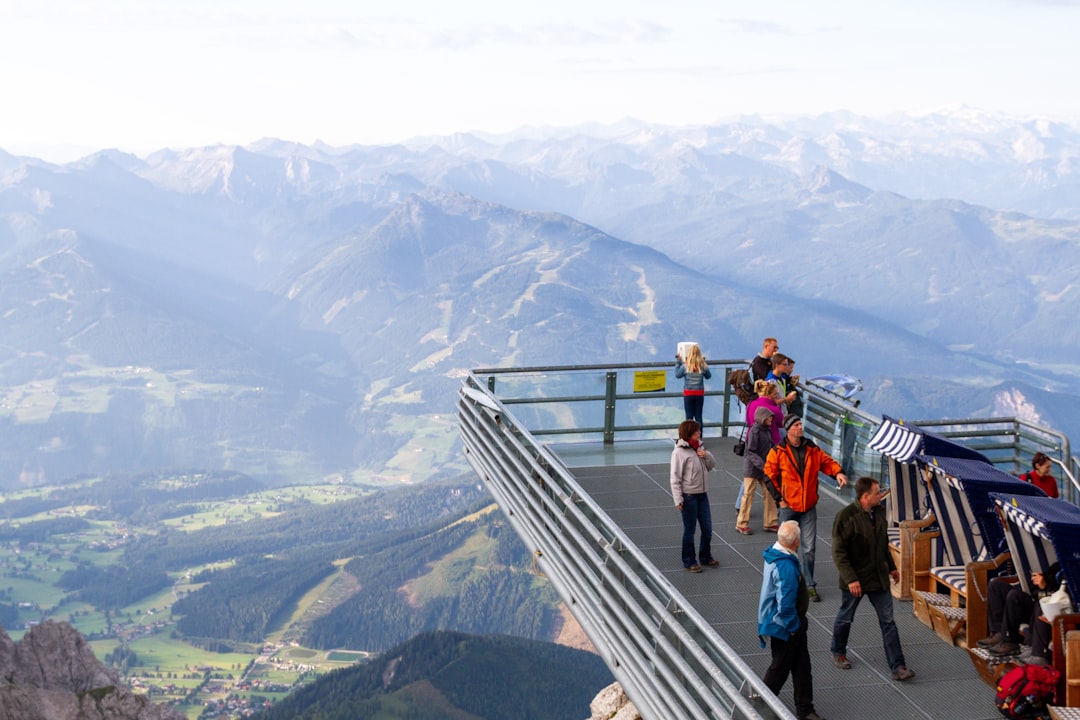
column 297, row 311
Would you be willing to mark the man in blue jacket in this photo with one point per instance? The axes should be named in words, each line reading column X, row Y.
column 782, row 617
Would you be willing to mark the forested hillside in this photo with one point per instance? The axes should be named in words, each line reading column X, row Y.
column 441, row 675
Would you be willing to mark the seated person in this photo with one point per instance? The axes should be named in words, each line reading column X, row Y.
column 1041, row 629
column 1009, row 607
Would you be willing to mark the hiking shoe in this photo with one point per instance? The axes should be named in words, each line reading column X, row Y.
column 771, row 528
column 713, row 563
column 1005, row 648
column 902, row 674
column 814, row 597
column 989, row 642
column 841, row 662
column 744, row 530
column 694, row 569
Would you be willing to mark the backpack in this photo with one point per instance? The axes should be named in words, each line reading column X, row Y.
column 1026, row 690
column 740, row 382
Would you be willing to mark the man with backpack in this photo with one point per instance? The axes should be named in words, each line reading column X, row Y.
column 761, row 366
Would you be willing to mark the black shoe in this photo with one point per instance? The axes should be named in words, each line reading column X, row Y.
column 902, row 674
column 989, row 642
column 1005, row 649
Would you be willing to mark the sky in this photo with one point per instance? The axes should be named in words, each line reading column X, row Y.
column 78, row 76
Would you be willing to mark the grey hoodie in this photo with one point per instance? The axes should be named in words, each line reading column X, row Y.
column 758, row 444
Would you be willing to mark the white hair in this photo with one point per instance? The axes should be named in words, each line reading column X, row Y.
column 788, row 533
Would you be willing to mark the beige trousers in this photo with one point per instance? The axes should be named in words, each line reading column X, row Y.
column 770, row 514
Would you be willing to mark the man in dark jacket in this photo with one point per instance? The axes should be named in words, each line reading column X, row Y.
column 861, row 554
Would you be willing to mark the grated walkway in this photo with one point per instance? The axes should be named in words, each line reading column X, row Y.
column 630, row 482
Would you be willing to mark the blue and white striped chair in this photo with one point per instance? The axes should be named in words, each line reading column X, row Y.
column 912, row 525
column 1040, row 531
column 972, row 543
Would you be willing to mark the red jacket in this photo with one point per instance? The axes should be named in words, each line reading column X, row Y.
column 800, row 492
column 1046, row 483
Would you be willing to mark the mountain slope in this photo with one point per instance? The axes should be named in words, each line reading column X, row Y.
column 452, row 675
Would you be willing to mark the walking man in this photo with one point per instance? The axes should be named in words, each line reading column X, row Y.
column 782, row 617
column 792, row 469
column 862, row 558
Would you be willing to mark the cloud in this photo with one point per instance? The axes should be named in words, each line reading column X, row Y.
column 621, row 32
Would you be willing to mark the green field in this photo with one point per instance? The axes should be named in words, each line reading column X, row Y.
column 167, row 666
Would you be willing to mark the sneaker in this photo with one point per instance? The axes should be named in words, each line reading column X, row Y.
column 1005, row 648
column 902, row 674
column 744, row 530
column 694, row 569
column 989, row 642
column 811, row 716
column 814, row 597
column 771, row 528
column 841, row 662
column 713, row 563
column 1038, row 660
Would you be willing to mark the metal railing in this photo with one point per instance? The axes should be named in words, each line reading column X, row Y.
column 669, row 660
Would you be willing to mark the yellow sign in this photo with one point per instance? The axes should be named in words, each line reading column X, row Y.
column 650, row 381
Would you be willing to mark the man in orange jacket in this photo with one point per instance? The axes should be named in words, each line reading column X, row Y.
column 792, row 469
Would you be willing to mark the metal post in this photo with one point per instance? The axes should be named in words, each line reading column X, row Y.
column 609, row 408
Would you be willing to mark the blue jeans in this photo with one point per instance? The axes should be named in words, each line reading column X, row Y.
column 808, row 542
column 694, row 405
column 883, row 605
column 696, row 511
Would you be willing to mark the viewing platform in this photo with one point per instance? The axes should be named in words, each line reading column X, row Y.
column 578, row 460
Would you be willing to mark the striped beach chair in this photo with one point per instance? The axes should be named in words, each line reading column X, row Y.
column 1040, row 531
column 972, row 546
column 912, row 525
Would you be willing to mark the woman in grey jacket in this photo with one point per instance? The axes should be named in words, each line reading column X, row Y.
column 759, row 441
column 690, row 463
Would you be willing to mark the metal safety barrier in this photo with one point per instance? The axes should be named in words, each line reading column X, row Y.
column 669, row 660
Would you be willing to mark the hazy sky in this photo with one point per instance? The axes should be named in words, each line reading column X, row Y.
column 139, row 75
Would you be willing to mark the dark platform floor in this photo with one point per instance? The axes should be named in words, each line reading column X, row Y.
column 630, row 481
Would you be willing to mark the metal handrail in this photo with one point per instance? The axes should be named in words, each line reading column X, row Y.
column 669, row 659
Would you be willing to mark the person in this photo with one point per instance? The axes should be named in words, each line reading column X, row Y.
column 782, row 608
column 690, row 464
column 781, row 375
column 860, row 550
column 1040, row 476
column 759, row 441
column 1008, row 607
column 761, row 365
column 1041, row 632
column 767, row 396
column 694, row 372
column 792, row 469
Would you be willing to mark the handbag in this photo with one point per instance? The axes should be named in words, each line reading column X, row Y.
column 740, row 444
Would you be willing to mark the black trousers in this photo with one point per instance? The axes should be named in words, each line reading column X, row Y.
column 1008, row 607
column 792, row 657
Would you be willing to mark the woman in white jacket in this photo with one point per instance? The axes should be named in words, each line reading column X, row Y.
column 690, row 463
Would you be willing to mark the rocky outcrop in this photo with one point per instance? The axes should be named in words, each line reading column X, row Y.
column 52, row 674
column 611, row 703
